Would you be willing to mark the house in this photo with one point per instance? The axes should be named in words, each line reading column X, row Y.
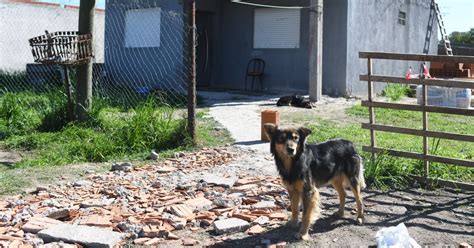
column 145, row 41
column 21, row 20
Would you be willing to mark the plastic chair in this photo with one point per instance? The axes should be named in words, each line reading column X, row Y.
column 255, row 69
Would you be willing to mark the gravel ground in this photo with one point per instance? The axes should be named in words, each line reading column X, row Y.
column 433, row 218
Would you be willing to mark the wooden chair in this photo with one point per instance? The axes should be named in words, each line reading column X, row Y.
column 255, row 69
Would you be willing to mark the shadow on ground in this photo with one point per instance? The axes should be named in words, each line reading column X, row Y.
column 438, row 217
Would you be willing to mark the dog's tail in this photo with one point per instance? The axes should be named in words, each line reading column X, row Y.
column 361, row 172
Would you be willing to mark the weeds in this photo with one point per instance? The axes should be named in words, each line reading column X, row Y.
column 396, row 91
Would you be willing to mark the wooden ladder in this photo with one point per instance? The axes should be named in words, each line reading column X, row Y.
column 442, row 29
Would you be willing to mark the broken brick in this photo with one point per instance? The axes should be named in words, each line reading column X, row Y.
column 246, row 217
column 97, row 220
column 181, row 210
column 279, row 216
column 199, row 203
column 257, row 229
column 140, row 241
column 190, row 242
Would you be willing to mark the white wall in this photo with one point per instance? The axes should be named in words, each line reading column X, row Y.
column 21, row 21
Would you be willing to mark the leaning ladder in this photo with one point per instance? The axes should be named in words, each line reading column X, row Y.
column 442, row 29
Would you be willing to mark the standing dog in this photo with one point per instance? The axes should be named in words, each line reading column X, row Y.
column 306, row 167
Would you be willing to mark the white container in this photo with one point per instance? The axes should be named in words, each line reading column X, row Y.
column 446, row 97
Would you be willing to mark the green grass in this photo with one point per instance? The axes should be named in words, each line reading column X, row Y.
column 389, row 171
column 112, row 133
column 396, row 91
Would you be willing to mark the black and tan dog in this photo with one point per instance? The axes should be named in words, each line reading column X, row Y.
column 306, row 167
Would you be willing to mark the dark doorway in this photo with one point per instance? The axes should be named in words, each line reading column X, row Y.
column 204, row 52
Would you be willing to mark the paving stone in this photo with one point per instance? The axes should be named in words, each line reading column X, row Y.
column 219, row 180
column 38, row 223
column 84, row 235
column 230, row 225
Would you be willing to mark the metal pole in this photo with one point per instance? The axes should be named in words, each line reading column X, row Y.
column 84, row 71
column 191, row 46
column 316, row 50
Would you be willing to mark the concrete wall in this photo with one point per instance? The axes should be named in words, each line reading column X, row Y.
column 286, row 69
column 373, row 26
column 151, row 67
column 21, row 21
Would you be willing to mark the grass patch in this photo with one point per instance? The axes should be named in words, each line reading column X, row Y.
column 112, row 133
column 387, row 171
column 396, row 91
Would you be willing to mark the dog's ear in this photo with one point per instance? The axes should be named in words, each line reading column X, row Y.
column 304, row 132
column 270, row 129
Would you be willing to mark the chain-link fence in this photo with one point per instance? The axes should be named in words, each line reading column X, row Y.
column 139, row 50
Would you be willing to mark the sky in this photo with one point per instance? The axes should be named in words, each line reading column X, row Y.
column 458, row 15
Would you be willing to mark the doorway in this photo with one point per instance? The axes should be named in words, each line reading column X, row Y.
column 204, row 50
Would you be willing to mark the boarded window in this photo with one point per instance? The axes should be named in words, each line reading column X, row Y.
column 402, row 18
column 276, row 28
column 143, row 27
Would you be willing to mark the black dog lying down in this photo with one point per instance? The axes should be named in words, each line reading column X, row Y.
column 295, row 101
column 304, row 168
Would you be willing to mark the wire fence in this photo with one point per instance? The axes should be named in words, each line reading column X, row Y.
column 139, row 50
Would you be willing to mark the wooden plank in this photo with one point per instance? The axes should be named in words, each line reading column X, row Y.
column 417, row 57
column 431, row 82
column 396, row 153
column 419, row 108
column 416, row 132
column 370, row 89
column 424, row 94
column 444, row 183
column 419, row 156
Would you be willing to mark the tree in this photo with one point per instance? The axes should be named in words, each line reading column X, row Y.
column 467, row 37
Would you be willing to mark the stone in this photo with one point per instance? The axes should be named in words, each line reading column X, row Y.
column 5, row 217
column 230, row 225
column 125, row 167
column 219, row 180
column 58, row 214
column 153, row 155
column 199, row 204
column 227, row 202
column 262, row 220
column 84, row 235
column 38, row 223
column 130, row 228
column 264, row 204
column 82, row 183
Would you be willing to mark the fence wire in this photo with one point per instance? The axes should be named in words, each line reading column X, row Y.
column 139, row 50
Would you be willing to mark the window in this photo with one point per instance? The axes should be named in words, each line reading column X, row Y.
column 276, row 28
column 143, row 27
column 402, row 18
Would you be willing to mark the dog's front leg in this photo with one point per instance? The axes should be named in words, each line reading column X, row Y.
column 310, row 211
column 295, row 206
